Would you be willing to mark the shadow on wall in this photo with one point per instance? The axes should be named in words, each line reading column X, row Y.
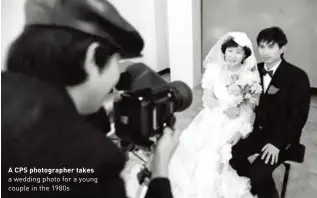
column 296, row 18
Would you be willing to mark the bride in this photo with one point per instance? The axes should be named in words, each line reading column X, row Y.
column 231, row 87
column 200, row 166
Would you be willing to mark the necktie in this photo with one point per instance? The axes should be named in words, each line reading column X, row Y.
column 264, row 72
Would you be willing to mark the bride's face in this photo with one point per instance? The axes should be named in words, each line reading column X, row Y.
column 234, row 55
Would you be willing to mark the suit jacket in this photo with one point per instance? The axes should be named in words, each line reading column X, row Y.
column 284, row 107
column 41, row 128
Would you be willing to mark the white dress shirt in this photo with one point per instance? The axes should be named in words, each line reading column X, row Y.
column 267, row 78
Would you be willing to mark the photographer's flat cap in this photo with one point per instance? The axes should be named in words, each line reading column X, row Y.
column 95, row 17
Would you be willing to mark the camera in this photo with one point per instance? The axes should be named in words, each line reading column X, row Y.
column 147, row 105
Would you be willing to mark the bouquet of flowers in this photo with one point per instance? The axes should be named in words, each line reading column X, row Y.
column 245, row 89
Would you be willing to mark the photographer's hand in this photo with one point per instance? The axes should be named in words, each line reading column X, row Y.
column 163, row 152
column 109, row 100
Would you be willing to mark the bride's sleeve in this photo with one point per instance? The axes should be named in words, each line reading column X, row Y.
column 209, row 99
column 247, row 124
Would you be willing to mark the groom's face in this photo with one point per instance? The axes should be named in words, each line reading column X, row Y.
column 270, row 52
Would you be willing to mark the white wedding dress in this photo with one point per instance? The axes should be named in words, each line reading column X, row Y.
column 200, row 166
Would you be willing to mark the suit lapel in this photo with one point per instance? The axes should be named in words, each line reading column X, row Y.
column 260, row 67
column 278, row 77
column 262, row 96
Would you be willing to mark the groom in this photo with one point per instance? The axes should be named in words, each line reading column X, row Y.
column 280, row 116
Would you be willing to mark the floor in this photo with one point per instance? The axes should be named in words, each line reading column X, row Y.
column 303, row 177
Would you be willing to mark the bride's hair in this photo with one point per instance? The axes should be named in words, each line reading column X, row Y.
column 231, row 43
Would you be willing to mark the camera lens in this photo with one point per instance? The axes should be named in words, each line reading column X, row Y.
column 183, row 95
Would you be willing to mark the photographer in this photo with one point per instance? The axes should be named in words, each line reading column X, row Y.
column 60, row 70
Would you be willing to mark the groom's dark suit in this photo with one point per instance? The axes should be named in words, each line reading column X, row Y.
column 280, row 117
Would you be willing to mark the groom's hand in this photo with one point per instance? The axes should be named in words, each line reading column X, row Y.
column 270, row 151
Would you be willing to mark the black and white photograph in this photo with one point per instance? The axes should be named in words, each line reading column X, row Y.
column 158, row 99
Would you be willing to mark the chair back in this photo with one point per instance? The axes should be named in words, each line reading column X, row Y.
column 295, row 152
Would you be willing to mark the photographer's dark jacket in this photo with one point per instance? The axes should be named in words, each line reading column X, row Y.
column 41, row 128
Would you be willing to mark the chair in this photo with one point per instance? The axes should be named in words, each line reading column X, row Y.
column 294, row 153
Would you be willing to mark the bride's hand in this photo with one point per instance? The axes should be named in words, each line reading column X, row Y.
column 235, row 139
column 233, row 112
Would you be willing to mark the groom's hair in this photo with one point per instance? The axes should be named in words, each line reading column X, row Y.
column 231, row 43
column 272, row 34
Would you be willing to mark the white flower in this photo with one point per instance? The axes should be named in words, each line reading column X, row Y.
column 247, row 96
column 254, row 100
column 248, row 78
column 234, row 89
column 256, row 88
column 234, row 78
column 273, row 90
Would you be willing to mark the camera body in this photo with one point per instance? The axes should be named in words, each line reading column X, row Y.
column 147, row 106
column 143, row 114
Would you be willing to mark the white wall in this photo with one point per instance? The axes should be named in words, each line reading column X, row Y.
column 172, row 33
column 184, row 25
column 12, row 21
column 149, row 18
column 162, row 48
column 296, row 17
